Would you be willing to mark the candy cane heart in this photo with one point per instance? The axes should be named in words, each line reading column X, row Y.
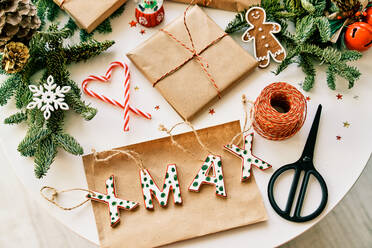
column 126, row 106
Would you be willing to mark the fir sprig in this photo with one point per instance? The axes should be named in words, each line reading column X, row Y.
column 310, row 44
column 47, row 53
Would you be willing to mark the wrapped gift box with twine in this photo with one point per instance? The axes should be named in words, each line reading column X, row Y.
column 231, row 5
column 96, row 11
column 192, row 61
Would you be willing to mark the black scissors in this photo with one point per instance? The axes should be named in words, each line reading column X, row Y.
column 305, row 163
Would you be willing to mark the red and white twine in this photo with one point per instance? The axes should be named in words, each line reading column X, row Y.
column 126, row 106
column 275, row 125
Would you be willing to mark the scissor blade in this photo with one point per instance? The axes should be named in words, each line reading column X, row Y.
column 311, row 139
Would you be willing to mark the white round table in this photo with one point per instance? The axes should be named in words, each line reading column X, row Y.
column 341, row 153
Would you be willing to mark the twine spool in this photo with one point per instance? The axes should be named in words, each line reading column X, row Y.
column 279, row 111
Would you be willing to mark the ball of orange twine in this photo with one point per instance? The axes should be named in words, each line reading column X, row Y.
column 279, row 111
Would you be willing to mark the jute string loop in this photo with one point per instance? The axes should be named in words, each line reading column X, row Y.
column 55, row 193
column 245, row 127
column 174, row 142
column 131, row 154
column 204, row 65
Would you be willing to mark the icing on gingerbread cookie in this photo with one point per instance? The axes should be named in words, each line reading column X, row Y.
column 112, row 201
column 262, row 33
column 150, row 189
column 248, row 159
column 213, row 163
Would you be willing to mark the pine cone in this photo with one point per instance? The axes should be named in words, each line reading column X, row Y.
column 18, row 21
column 347, row 5
column 15, row 57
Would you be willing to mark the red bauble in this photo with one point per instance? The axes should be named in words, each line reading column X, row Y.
column 369, row 16
column 358, row 36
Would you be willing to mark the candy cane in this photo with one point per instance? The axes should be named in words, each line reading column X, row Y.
column 109, row 100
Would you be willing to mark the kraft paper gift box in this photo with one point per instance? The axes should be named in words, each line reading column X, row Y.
column 89, row 14
column 176, row 73
column 231, row 5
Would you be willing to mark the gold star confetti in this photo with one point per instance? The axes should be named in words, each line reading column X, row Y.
column 346, row 124
column 136, row 88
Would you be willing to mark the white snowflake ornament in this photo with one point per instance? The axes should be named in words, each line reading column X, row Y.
column 48, row 97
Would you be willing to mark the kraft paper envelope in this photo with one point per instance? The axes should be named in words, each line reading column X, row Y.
column 200, row 214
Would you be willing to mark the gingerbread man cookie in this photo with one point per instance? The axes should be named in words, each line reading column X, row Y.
column 262, row 33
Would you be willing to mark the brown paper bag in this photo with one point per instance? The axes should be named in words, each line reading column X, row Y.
column 89, row 14
column 188, row 89
column 200, row 214
column 231, row 5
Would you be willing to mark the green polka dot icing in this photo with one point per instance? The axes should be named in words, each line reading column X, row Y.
column 162, row 196
column 204, row 177
column 112, row 201
column 247, row 157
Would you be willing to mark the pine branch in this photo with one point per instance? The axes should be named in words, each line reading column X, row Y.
column 85, row 50
column 104, row 27
column 23, row 95
column 350, row 55
column 118, row 12
column 8, row 88
column 324, row 28
column 308, row 68
column 286, row 62
column 34, row 135
column 68, row 143
column 85, row 36
column 305, row 28
column 331, row 77
column 16, row 118
column 80, row 107
column 45, row 154
column 53, row 10
column 238, row 23
column 71, row 25
column 56, row 121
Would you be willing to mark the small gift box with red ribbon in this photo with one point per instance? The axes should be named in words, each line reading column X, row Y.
column 191, row 62
column 89, row 14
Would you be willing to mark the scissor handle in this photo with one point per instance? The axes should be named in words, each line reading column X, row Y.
column 297, row 213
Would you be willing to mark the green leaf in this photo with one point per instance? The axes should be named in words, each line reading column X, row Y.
column 68, row 143
column 16, row 118
column 324, row 28
column 45, row 154
column 33, row 136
